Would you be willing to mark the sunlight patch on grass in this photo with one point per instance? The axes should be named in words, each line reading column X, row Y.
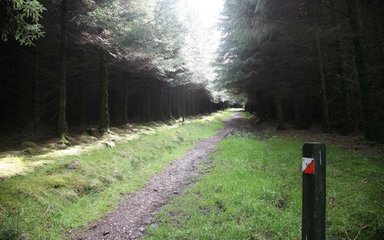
column 11, row 165
column 19, row 163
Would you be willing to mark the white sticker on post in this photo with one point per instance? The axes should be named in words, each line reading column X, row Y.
column 308, row 166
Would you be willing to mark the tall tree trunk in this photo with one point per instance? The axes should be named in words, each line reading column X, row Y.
column 324, row 99
column 83, row 93
column 183, row 102
column 163, row 110
column 147, row 102
column 179, row 100
column 83, row 102
column 197, row 106
column 279, row 111
column 114, row 108
column 370, row 124
column 345, row 99
column 36, row 106
column 170, row 103
column 104, row 109
column 298, row 116
column 193, row 106
column 62, row 118
column 188, row 110
column 299, row 120
column 259, row 106
column 379, row 42
column 278, row 99
column 347, row 122
column 125, row 97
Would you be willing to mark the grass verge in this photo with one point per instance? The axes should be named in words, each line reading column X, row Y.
column 254, row 192
column 48, row 202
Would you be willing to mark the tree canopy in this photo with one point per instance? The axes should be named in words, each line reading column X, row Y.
column 291, row 60
column 298, row 62
column 125, row 57
column 20, row 19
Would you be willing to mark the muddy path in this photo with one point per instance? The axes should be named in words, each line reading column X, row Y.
column 137, row 210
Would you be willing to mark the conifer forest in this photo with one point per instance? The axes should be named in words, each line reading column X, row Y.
column 191, row 119
column 69, row 64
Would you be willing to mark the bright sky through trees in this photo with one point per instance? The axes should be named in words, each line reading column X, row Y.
column 209, row 10
column 203, row 37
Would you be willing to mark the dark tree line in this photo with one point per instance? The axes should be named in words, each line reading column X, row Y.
column 94, row 64
column 307, row 62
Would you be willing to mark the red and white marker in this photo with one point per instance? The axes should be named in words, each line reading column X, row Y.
column 308, row 166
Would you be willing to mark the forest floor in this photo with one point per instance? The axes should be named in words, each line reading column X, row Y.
column 351, row 142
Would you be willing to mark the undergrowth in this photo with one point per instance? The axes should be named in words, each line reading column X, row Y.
column 254, row 192
column 52, row 200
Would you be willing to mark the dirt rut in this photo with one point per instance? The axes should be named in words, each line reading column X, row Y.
column 136, row 211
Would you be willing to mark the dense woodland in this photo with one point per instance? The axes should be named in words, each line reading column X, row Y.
column 72, row 64
column 308, row 62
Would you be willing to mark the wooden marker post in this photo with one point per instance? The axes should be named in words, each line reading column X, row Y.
column 314, row 191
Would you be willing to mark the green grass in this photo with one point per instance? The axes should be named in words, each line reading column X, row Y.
column 254, row 192
column 48, row 202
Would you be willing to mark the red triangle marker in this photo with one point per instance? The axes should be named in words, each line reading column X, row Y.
column 308, row 166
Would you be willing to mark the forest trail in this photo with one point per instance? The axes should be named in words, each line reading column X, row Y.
column 137, row 210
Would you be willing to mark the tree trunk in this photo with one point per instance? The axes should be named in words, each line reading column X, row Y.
column 324, row 99
column 379, row 42
column 170, row 103
column 163, row 100
column 83, row 102
column 370, row 124
column 300, row 123
column 183, row 103
column 279, row 111
column 179, row 100
column 347, row 124
column 193, row 106
column 346, row 113
column 114, row 108
column 188, row 105
column 259, row 106
column 62, row 118
column 36, row 106
column 125, row 98
column 104, row 109
column 198, row 106
column 147, row 102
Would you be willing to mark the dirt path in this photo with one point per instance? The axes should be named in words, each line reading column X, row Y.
column 136, row 210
